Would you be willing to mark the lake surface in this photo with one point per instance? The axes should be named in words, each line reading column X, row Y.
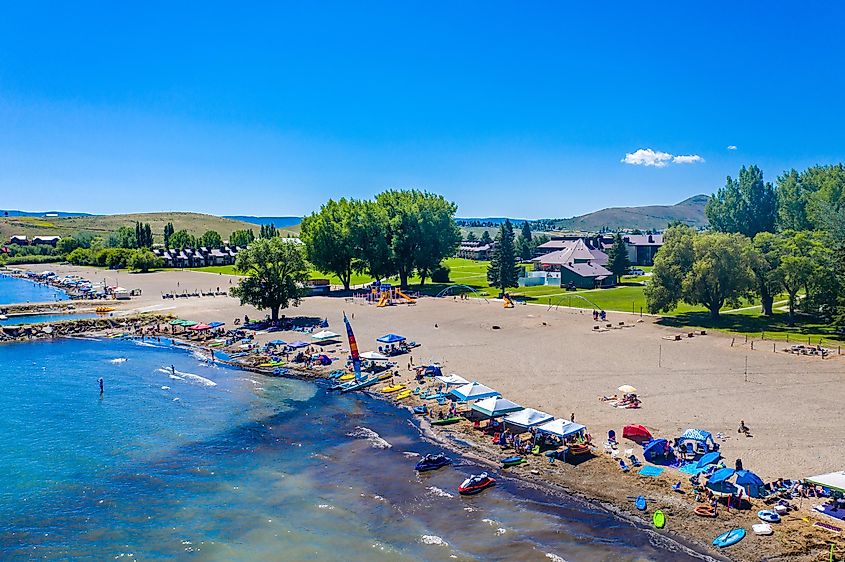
column 42, row 318
column 17, row 291
column 200, row 461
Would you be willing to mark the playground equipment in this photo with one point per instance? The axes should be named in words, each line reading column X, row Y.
column 558, row 302
column 384, row 294
column 457, row 288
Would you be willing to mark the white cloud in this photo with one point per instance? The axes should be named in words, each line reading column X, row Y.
column 731, row 147
column 649, row 157
column 687, row 159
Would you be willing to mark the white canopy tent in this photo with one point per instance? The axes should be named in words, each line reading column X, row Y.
column 496, row 407
column 325, row 335
column 374, row 356
column 473, row 391
column 561, row 428
column 832, row 480
column 452, row 380
column 529, row 417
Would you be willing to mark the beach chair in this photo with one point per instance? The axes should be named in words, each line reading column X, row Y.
column 535, row 450
column 689, row 451
column 441, row 401
column 417, row 391
column 623, row 467
column 635, row 462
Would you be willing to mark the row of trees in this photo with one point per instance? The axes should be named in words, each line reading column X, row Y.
column 767, row 240
column 139, row 259
column 395, row 234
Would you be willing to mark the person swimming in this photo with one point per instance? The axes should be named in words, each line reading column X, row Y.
column 102, row 388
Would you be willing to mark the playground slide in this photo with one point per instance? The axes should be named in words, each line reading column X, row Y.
column 404, row 296
column 382, row 301
column 508, row 303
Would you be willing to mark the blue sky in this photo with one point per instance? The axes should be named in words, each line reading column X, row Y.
column 516, row 109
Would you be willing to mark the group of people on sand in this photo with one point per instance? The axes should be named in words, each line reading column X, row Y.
column 599, row 315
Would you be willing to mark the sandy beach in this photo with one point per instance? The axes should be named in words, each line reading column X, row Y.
column 554, row 360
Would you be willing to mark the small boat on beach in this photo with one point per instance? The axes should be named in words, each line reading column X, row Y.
column 421, row 410
column 447, row 421
column 432, row 462
column 403, row 395
column 476, row 484
column 512, row 461
column 392, row 388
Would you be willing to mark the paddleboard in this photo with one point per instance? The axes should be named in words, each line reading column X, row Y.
column 640, row 503
column 731, row 537
column 659, row 519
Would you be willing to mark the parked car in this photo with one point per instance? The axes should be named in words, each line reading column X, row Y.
column 636, row 271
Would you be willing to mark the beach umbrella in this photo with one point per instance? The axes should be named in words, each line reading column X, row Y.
column 708, row 458
column 297, row 344
column 655, row 449
column 473, row 391
column 374, row 356
column 627, row 389
column 721, row 475
column 216, row 324
column 636, row 432
column 750, row 482
column 276, row 342
column 188, row 323
column 494, row 407
column 200, row 327
column 391, row 338
column 176, row 322
column 325, row 335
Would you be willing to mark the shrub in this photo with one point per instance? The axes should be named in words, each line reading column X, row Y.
column 440, row 274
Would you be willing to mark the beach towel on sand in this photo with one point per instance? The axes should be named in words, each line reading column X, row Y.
column 653, row 471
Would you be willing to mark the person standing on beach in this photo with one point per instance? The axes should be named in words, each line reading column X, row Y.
column 173, row 370
column 102, row 389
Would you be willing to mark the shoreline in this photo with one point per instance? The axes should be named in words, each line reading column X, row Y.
column 560, row 479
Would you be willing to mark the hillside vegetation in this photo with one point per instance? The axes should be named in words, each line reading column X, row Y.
column 651, row 217
column 195, row 223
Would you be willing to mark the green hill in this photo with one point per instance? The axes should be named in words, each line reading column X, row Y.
column 104, row 225
column 652, row 217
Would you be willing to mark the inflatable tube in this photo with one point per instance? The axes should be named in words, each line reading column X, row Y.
column 768, row 516
column 705, row 511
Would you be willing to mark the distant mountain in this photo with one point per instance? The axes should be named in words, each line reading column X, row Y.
column 11, row 213
column 651, row 217
column 278, row 222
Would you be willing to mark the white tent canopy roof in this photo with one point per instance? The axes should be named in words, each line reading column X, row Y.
column 832, row 480
column 374, row 356
column 561, row 428
column 452, row 380
column 473, row 391
column 529, row 417
column 494, row 407
column 325, row 335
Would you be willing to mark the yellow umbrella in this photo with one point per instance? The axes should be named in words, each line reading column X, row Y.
column 627, row 389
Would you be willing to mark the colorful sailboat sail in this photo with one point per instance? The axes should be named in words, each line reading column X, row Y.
column 353, row 348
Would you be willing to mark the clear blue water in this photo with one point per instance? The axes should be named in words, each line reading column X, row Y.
column 214, row 463
column 16, row 291
column 40, row 318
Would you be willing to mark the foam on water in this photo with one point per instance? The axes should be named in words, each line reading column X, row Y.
column 118, row 360
column 368, row 434
column 182, row 375
column 438, row 492
column 434, row 540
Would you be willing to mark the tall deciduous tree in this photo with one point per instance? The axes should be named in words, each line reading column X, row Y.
column 710, row 270
column 503, row 271
column 143, row 260
column 268, row 231
column 793, row 201
column 242, row 238
column 168, row 232
column 211, row 239
column 369, row 231
column 329, row 238
column 617, row 257
column 181, row 239
column 801, row 256
column 766, row 260
column 439, row 235
column 746, row 205
column 276, row 272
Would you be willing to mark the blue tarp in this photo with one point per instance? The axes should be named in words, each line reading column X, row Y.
column 709, row 458
column 655, row 449
column 391, row 338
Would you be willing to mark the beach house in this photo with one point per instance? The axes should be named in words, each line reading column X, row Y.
column 576, row 265
column 475, row 250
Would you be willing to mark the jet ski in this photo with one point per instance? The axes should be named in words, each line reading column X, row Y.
column 432, row 462
column 475, row 484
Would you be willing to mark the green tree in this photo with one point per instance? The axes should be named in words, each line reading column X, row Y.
column 268, row 231
column 124, row 237
column 617, row 257
column 710, row 270
column 143, row 260
column 67, row 245
column 143, row 235
column 793, row 200
column 470, row 237
column 826, row 192
column 767, row 259
column 180, row 240
column 746, row 205
column 276, row 272
column 211, row 239
column 801, row 259
column 370, row 236
column 168, row 233
column 329, row 238
column 439, row 235
column 82, row 256
column 485, row 237
column 524, row 245
column 503, row 271
column 242, row 238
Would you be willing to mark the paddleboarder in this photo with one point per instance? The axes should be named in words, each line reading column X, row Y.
column 102, row 389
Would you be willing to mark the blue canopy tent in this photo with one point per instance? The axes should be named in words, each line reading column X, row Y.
column 276, row 342
column 433, row 371
column 297, row 345
column 751, row 483
column 710, row 458
column 656, row 450
column 390, row 338
column 703, row 440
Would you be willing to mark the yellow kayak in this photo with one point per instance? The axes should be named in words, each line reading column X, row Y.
column 394, row 388
column 272, row 364
column 347, row 377
column 404, row 394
